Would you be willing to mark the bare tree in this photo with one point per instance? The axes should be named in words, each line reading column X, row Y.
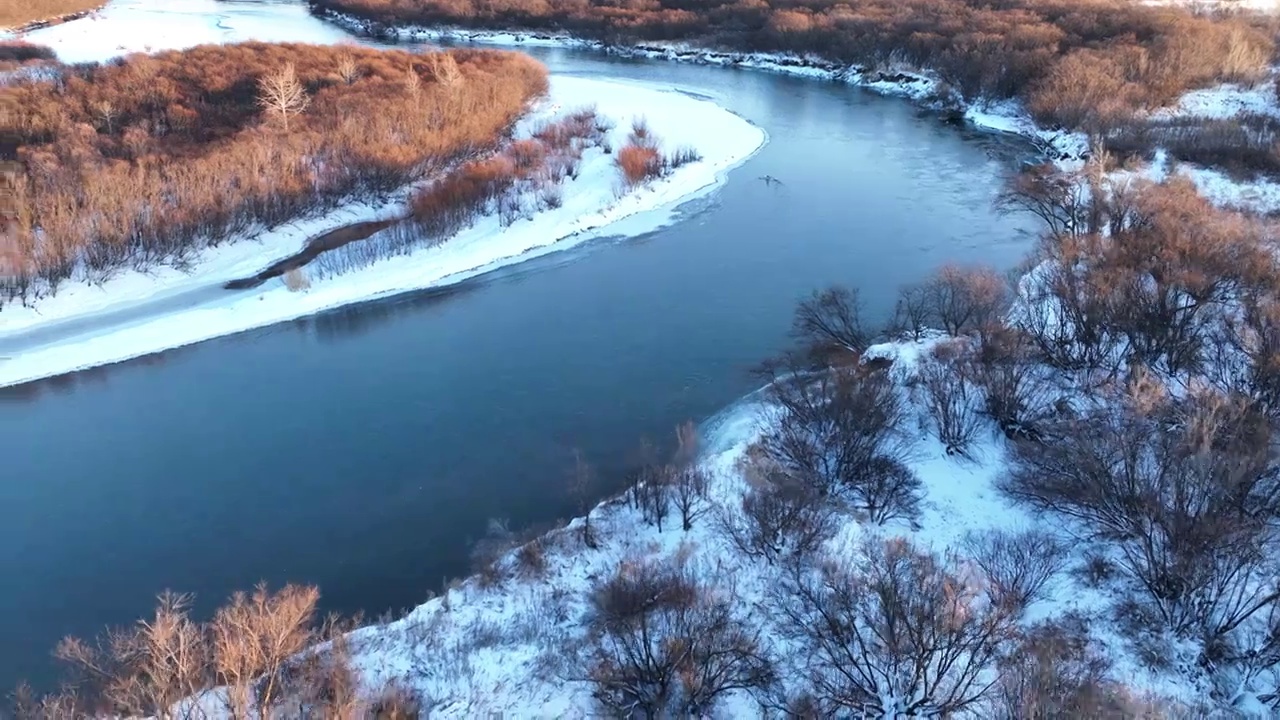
column 348, row 70
column 581, row 481
column 829, row 325
column 665, row 646
column 953, row 402
column 444, row 69
column 840, row 431
column 106, row 112
column 1018, row 565
column 148, row 669
column 653, row 493
column 967, row 300
column 1186, row 496
column 1059, row 199
column 899, row 633
column 1054, row 673
column 779, row 515
column 688, row 481
column 689, row 490
column 253, row 637
column 911, row 312
column 282, row 94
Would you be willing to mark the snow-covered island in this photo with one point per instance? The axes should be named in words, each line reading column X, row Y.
column 138, row 313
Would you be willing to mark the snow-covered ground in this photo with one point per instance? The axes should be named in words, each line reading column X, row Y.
column 591, row 207
column 126, row 26
column 512, row 648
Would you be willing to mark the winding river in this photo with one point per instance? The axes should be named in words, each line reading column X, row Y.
column 366, row 448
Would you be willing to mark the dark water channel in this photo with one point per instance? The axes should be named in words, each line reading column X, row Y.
column 365, row 448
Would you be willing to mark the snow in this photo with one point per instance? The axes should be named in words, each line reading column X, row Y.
column 514, row 648
column 591, row 208
column 1225, row 101
column 127, row 26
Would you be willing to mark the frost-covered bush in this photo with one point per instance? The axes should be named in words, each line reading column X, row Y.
column 899, row 632
column 665, row 645
column 840, row 432
column 779, row 516
column 953, row 401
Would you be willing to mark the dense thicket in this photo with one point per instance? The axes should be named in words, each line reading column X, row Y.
column 17, row 51
column 1083, row 64
column 151, row 158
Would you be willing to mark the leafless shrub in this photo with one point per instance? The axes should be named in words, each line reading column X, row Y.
column 146, row 669
column 1096, row 570
column 348, row 70
column 1054, row 673
column 487, row 553
column 663, row 645
column 283, row 95
column 965, row 300
column 953, row 402
column 779, row 516
column 1017, row 395
column 26, row 705
column 1019, row 565
column 639, row 164
column 531, row 559
column 911, row 312
column 683, row 156
column 395, row 702
column 325, row 679
column 652, row 491
column 851, row 621
column 839, row 431
column 581, row 482
column 444, row 69
column 829, row 324
column 253, row 638
column 1186, row 497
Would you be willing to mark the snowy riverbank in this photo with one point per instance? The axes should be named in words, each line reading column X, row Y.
column 515, row 640
column 137, row 314
column 1069, row 149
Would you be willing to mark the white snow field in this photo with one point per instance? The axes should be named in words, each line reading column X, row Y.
column 127, row 26
column 592, row 206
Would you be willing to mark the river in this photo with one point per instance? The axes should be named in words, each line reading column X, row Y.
column 365, row 449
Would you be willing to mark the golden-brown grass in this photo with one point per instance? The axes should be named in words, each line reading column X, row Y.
column 18, row 13
column 148, row 159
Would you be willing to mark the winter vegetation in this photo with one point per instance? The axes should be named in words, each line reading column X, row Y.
column 1086, row 69
column 22, row 13
column 149, row 160
column 1054, row 496
column 1050, row 497
column 551, row 185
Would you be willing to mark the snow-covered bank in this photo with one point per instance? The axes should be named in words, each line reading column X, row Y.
column 128, row 26
column 513, row 642
column 1008, row 116
column 591, row 207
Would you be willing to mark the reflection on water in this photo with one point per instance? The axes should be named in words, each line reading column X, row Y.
column 361, row 448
